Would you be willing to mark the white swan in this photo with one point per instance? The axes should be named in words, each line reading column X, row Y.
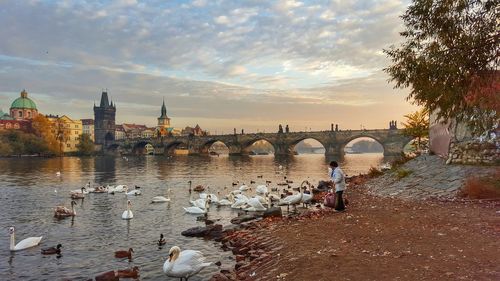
column 127, row 214
column 184, row 264
column 119, row 188
column 226, row 201
column 240, row 202
column 261, row 189
column 134, row 192
column 292, row 199
column 243, row 187
column 213, row 198
column 161, row 199
column 254, row 205
column 82, row 190
column 200, row 203
column 197, row 210
column 24, row 244
column 58, row 173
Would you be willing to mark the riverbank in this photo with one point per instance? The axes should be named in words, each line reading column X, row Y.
column 379, row 237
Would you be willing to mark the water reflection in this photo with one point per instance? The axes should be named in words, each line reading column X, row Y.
column 27, row 199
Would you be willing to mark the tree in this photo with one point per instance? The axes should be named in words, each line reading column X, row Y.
column 85, row 145
column 45, row 130
column 450, row 59
column 417, row 126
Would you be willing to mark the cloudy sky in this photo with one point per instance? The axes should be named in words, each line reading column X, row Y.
column 220, row 63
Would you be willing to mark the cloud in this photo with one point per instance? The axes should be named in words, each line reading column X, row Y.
column 258, row 53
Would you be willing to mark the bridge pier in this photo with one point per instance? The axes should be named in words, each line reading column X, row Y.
column 283, row 149
column 333, row 150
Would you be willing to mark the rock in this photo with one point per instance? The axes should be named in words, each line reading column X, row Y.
column 218, row 263
column 211, row 231
column 273, row 212
column 242, row 219
column 219, row 277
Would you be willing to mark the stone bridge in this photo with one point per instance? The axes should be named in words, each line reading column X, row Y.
column 392, row 140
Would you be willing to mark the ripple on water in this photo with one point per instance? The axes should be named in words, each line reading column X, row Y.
column 27, row 199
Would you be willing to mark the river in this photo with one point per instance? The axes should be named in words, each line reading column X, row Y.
column 30, row 188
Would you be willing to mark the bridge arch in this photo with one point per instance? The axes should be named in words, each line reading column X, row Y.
column 293, row 145
column 207, row 146
column 169, row 148
column 362, row 137
column 249, row 146
column 143, row 147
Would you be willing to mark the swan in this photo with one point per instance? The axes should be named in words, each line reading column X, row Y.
column 292, row 199
column 58, row 173
column 239, row 202
column 226, row 202
column 184, row 264
column 161, row 199
column 127, row 214
column 134, row 192
column 200, row 203
column 52, row 250
column 254, row 205
column 117, row 189
column 82, row 190
column 261, row 189
column 62, row 212
column 197, row 210
column 124, row 254
column 244, row 187
column 24, row 244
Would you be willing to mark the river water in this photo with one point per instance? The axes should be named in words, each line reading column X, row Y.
column 30, row 188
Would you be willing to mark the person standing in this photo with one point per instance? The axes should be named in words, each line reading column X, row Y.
column 337, row 176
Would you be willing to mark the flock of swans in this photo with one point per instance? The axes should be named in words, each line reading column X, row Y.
column 181, row 264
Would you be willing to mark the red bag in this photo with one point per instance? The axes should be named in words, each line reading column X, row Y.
column 329, row 200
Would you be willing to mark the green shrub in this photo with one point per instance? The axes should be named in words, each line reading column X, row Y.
column 402, row 173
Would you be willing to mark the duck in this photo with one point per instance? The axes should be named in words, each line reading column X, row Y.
column 197, row 210
column 199, row 188
column 161, row 199
column 127, row 214
column 63, row 212
column 24, row 244
column 115, row 275
column 184, row 264
column 190, row 183
column 252, row 182
column 124, row 254
column 52, row 250
column 128, row 273
column 162, row 240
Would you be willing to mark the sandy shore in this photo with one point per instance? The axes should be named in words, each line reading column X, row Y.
column 377, row 238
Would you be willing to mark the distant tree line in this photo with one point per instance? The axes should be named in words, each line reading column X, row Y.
column 44, row 139
column 367, row 146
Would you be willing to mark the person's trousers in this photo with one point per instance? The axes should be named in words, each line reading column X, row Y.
column 339, row 202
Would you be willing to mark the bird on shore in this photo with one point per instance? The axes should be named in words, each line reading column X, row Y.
column 184, row 264
column 122, row 254
column 52, row 250
column 23, row 244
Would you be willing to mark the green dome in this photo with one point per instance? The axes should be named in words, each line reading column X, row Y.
column 23, row 102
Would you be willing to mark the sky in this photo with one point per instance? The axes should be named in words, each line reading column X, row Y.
column 220, row 64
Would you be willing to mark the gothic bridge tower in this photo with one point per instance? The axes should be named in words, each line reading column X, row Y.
column 104, row 124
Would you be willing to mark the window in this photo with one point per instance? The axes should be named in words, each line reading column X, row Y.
column 68, row 145
column 76, row 132
column 76, row 126
column 20, row 114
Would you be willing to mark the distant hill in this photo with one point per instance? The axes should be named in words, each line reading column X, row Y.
column 367, row 146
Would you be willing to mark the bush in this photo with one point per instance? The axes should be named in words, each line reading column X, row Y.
column 374, row 172
column 402, row 173
column 481, row 187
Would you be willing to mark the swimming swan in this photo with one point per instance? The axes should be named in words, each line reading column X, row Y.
column 184, row 264
column 24, row 244
column 161, row 199
column 127, row 214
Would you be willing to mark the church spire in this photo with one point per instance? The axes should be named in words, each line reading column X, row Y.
column 104, row 99
column 163, row 109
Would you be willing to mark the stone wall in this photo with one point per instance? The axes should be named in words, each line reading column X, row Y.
column 475, row 153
